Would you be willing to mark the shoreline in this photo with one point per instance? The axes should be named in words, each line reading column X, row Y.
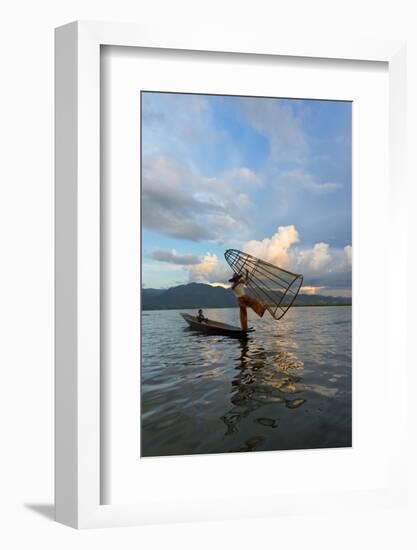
column 234, row 307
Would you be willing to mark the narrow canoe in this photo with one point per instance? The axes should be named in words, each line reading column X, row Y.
column 214, row 327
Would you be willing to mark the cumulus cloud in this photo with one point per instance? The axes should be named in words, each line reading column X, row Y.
column 174, row 258
column 315, row 259
column 304, row 180
column 209, row 270
column 348, row 254
column 321, row 265
column 324, row 268
column 275, row 249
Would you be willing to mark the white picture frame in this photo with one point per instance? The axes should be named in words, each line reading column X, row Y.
column 78, row 410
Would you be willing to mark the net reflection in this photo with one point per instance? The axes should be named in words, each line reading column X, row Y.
column 263, row 379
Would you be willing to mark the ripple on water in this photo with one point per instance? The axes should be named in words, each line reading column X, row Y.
column 208, row 394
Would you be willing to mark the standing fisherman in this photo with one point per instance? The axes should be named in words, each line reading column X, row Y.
column 238, row 288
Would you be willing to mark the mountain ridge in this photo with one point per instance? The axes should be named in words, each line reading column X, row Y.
column 200, row 295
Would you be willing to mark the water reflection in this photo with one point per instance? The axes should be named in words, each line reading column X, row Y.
column 288, row 386
column 262, row 378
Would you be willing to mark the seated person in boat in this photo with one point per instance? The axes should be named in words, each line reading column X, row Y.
column 200, row 316
column 238, row 288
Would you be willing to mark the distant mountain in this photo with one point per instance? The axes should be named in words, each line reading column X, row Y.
column 198, row 295
column 154, row 291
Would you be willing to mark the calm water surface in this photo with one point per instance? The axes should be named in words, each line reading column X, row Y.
column 287, row 386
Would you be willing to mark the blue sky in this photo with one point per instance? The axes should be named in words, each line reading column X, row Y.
column 265, row 175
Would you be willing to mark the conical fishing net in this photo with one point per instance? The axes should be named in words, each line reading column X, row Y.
column 273, row 286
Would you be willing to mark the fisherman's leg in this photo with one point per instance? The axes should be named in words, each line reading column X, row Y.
column 243, row 317
column 257, row 307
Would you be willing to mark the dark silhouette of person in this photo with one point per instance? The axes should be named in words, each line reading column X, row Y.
column 238, row 288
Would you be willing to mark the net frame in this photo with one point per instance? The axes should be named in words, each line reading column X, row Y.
column 275, row 287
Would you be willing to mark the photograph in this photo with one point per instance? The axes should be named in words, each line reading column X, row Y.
column 246, row 273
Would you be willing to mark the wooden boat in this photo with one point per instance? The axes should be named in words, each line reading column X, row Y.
column 215, row 327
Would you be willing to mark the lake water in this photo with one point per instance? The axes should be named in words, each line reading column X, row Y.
column 287, row 386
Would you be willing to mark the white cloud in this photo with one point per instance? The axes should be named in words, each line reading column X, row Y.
column 324, row 268
column 205, row 269
column 320, row 265
column 315, row 259
column 299, row 178
column 182, row 204
column 275, row 249
column 209, row 270
column 348, row 254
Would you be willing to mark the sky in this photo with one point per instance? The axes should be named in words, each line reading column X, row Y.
column 268, row 176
